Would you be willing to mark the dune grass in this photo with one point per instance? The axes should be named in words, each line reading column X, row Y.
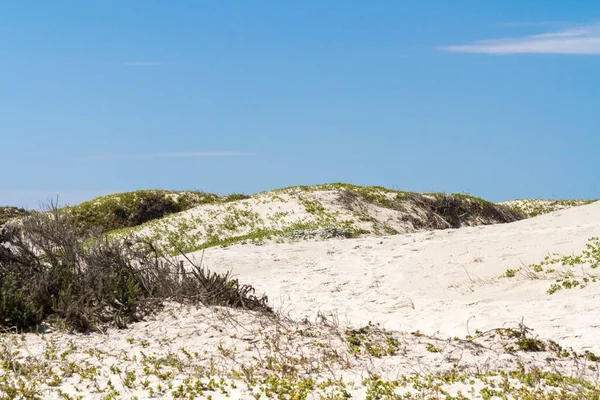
column 51, row 271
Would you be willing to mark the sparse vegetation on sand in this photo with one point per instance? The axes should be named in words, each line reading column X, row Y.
column 59, row 271
column 563, row 269
column 50, row 271
column 179, row 331
column 534, row 207
column 296, row 211
column 257, row 356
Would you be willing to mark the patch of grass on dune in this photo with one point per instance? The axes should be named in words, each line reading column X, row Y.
column 123, row 210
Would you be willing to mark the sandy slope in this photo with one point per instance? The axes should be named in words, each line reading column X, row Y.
column 354, row 209
column 451, row 277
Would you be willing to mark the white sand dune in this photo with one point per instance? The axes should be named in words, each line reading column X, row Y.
column 452, row 277
column 355, row 209
column 445, row 284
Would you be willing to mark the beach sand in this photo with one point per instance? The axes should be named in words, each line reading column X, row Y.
column 368, row 318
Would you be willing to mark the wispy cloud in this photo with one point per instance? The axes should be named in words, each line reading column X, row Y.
column 169, row 155
column 144, row 63
column 581, row 40
column 535, row 23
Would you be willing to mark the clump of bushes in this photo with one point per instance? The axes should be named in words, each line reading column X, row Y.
column 51, row 271
column 8, row 213
column 457, row 209
column 432, row 210
column 124, row 210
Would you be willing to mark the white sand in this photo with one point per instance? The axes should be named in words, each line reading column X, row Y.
column 294, row 209
column 451, row 277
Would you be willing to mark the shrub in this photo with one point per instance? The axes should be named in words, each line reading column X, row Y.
column 16, row 306
column 124, row 210
column 50, row 270
column 130, row 209
column 8, row 213
column 435, row 210
column 457, row 209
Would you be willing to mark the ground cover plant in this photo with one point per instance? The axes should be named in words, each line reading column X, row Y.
column 261, row 356
column 562, row 268
column 52, row 270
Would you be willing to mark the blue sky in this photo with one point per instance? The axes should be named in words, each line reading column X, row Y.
column 500, row 99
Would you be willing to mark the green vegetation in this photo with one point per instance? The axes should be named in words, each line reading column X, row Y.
column 523, row 341
column 375, row 194
column 561, row 268
column 454, row 209
column 390, row 198
column 265, row 363
column 122, row 210
column 159, row 368
column 534, row 207
column 223, row 225
column 348, row 209
column 225, row 220
column 510, row 273
column 372, row 340
column 61, row 271
column 466, row 196
column 51, row 272
column 182, row 374
column 8, row 213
